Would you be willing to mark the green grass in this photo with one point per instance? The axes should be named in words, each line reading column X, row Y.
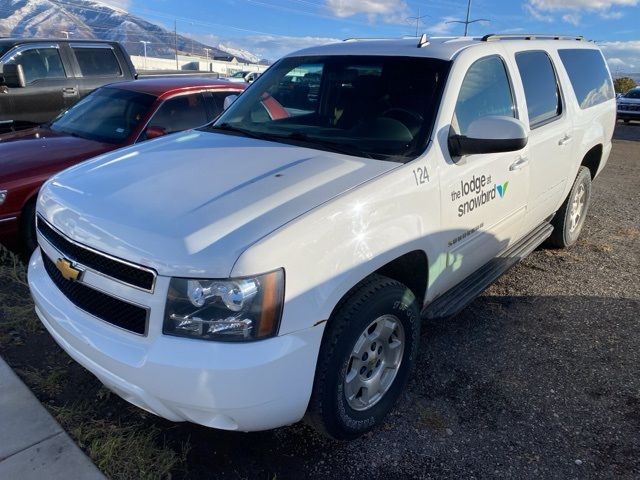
column 16, row 307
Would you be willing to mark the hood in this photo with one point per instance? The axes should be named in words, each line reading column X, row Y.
column 40, row 150
column 191, row 203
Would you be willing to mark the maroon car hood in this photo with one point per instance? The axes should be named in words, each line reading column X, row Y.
column 40, row 151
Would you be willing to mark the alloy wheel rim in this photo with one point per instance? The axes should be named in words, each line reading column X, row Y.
column 577, row 208
column 374, row 362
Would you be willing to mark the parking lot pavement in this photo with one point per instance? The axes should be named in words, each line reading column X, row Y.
column 32, row 444
column 538, row 378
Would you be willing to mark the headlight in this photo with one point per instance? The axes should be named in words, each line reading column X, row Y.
column 3, row 196
column 232, row 310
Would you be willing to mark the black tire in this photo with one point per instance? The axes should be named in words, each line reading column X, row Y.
column 28, row 224
column 329, row 410
column 564, row 235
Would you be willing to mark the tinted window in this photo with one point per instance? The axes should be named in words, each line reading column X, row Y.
column 589, row 76
column 39, row 63
column 97, row 62
column 369, row 106
column 635, row 93
column 540, row 86
column 107, row 115
column 181, row 113
column 485, row 91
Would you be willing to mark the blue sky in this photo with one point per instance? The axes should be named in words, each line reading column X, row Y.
column 270, row 28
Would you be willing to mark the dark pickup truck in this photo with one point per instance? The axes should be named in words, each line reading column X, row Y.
column 40, row 78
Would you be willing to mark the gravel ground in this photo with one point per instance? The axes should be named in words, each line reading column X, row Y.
column 538, row 378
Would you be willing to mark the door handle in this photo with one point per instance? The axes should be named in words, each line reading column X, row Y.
column 519, row 163
column 69, row 91
column 565, row 140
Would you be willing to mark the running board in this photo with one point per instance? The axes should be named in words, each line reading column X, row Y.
column 458, row 297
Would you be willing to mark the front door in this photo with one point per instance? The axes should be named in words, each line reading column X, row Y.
column 50, row 86
column 483, row 196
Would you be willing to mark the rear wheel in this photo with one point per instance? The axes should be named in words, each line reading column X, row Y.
column 569, row 220
column 365, row 359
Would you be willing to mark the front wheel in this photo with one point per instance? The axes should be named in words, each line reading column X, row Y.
column 365, row 359
column 569, row 220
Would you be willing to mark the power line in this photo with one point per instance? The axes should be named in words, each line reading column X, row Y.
column 467, row 22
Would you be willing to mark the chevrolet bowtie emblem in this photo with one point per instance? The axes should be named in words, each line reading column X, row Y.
column 67, row 270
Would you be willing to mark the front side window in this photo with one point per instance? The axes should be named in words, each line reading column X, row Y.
column 589, row 76
column 97, row 62
column 107, row 115
column 39, row 64
column 216, row 100
column 369, row 106
column 181, row 113
column 485, row 91
column 540, row 86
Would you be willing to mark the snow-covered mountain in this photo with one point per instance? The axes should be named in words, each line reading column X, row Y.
column 93, row 19
column 239, row 52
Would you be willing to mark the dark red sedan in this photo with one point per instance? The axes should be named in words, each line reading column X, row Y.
column 111, row 117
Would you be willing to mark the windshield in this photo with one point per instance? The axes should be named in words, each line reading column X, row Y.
column 107, row 115
column 239, row 75
column 370, row 106
column 635, row 93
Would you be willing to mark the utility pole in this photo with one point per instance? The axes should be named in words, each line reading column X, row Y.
column 207, row 50
column 144, row 44
column 417, row 19
column 468, row 22
column 175, row 35
column 66, row 33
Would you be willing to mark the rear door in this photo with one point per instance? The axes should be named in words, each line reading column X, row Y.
column 50, row 84
column 96, row 64
column 483, row 196
column 551, row 136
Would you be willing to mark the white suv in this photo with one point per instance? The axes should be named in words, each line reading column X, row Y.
column 278, row 263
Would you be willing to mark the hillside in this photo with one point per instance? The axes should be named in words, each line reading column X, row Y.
column 92, row 19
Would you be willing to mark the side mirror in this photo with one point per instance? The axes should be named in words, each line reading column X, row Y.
column 494, row 134
column 228, row 100
column 155, row 132
column 13, row 76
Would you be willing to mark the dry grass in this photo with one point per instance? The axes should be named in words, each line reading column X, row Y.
column 131, row 451
column 16, row 308
column 50, row 382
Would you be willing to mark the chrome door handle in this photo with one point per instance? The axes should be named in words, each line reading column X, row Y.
column 519, row 163
column 565, row 140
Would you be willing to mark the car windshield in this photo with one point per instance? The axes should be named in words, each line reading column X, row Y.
column 107, row 115
column 633, row 94
column 379, row 107
column 239, row 75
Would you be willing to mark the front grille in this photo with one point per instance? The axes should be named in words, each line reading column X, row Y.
column 100, row 305
column 135, row 276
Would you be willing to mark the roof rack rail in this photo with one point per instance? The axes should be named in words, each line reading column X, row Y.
column 367, row 39
column 529, row 36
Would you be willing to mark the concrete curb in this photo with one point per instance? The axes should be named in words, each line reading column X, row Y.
column 32, row 444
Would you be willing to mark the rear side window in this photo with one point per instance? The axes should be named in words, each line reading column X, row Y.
column 540, row 87
column 97, row 62
column 181, row 113
column 39, row 64
column 485, row 91
column 589, row 76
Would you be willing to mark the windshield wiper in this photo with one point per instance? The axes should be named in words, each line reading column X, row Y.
column 227, row 127
column 328, row 144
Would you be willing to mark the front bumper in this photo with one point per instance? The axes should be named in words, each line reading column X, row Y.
column 628, row 115
column 248, row 387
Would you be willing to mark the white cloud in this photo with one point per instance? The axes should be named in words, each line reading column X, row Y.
column 622, row 56
column 391, row 11
column 572, row 18
column 551, row 5
column 536, row 14
column 611, row 15
column 120, row 4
